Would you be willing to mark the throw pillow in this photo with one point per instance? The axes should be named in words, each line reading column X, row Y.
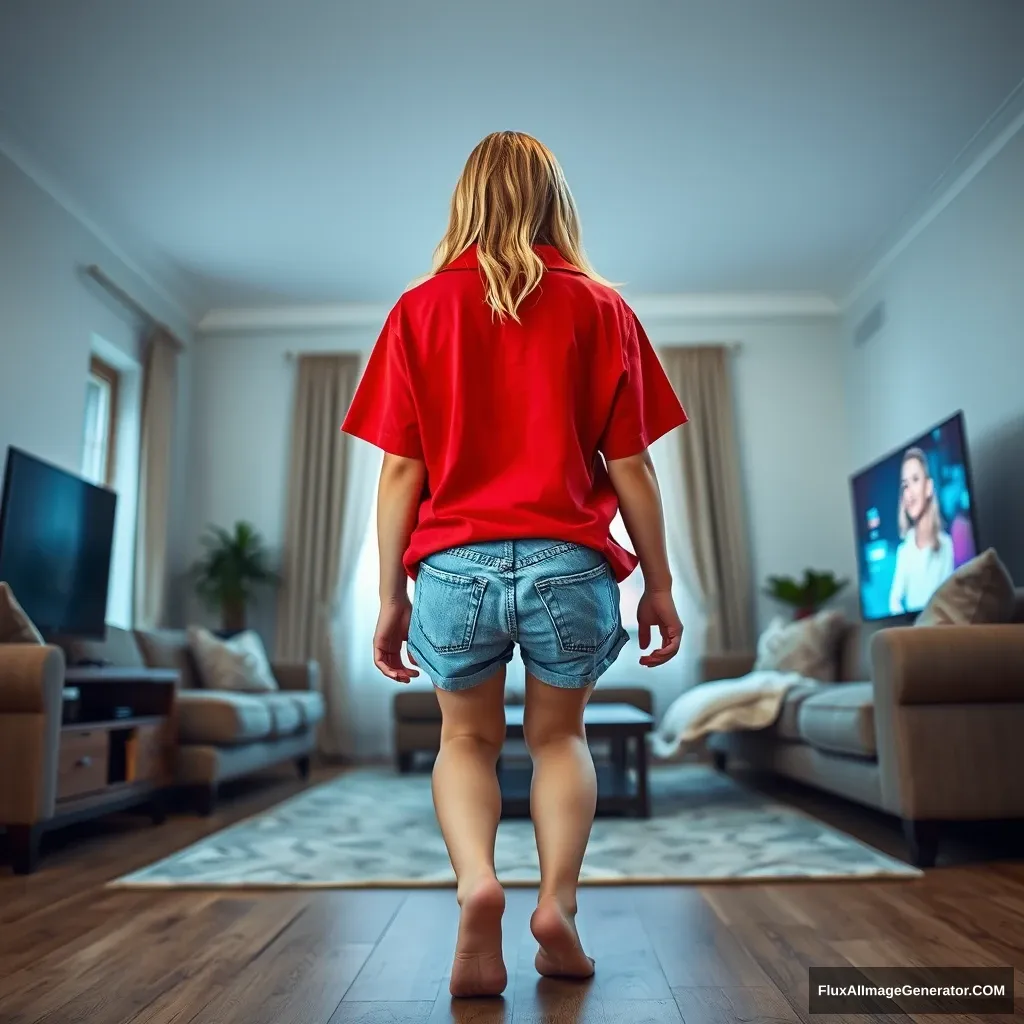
column 15, row 626
column 239, row 663
column 979, row 592
column 809, row 647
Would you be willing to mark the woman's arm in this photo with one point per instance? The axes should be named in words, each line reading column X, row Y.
column 398, row 499
column 636, row 485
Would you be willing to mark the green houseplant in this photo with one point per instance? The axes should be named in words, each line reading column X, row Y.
column 805, row 596
column 234, row 565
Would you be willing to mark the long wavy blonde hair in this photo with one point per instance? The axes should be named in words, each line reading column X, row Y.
column 931, row 518
column 512, row 194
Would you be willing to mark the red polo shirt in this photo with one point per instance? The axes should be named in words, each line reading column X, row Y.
column 512, row 419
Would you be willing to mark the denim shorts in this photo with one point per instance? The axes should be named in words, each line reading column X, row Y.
column 559, row 601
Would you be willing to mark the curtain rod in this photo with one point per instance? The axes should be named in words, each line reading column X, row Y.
column 126, row 300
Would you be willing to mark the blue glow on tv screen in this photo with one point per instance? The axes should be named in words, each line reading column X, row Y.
column 914, row 520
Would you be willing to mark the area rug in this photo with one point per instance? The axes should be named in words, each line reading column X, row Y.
column 372, row 828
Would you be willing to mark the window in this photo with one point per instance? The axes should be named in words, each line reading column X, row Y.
column 101, row 394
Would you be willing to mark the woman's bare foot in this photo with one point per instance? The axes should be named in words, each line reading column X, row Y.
column 478, row 968
column 561, row 953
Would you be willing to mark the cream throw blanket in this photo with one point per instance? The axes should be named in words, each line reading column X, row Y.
column 751, row 702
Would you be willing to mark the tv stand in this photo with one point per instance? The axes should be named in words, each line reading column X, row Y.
column 105, row 763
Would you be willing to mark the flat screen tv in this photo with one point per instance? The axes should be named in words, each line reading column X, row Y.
column 56, row 537
column 915, row 521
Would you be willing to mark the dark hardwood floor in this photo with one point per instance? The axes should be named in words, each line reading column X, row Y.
column 72, row 950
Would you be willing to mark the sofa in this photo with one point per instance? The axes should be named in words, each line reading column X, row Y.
column 221, row 735
column 925, row 723
column 417, row 717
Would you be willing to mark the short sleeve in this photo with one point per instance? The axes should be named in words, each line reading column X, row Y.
column 645, row 406
column 383, row 411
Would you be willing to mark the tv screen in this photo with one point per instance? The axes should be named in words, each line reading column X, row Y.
column 914, row 514
column 56, row 535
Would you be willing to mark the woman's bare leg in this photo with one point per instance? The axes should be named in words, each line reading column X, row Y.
column 468, row 805
column 563, row 798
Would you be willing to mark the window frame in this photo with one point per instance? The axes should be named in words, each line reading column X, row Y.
column 107, row 376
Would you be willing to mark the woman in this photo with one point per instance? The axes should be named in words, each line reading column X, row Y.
column 514, row 394
column 924, row 558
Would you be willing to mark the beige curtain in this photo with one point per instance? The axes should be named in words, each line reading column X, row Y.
column 159, row 378
column 318, row 477
column 713, row 488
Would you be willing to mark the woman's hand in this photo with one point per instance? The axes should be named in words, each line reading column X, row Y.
column 656, row 608
column 391, row 632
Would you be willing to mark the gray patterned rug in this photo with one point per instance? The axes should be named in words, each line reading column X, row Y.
column 371, row 828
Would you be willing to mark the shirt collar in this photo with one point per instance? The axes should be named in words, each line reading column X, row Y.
column 552, row 258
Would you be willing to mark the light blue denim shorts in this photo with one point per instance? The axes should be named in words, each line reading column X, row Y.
column 471, row 606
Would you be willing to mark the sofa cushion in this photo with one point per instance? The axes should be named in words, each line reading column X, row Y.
column 809, row 647
column 168, row 648
column 787, row 725
column 118, row 648
column 310, row 705
column 979, row 592
column 840, row 719
column 285, row 713
column 239, row 663
column 223, row 719
column 15, row 626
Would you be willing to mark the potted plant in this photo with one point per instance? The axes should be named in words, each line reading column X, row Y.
column 234, row 566
column 805, row 596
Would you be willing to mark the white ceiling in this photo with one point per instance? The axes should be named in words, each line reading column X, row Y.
column 280, row 151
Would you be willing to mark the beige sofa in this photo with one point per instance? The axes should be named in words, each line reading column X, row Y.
column 221, row 735
column 926, row 723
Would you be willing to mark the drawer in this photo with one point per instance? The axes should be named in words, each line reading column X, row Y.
column 151, row 754
column 82, row 762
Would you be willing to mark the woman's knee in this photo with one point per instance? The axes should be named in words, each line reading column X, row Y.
column 545, row 727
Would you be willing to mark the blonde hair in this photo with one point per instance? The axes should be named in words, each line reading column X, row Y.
column 931, row 514
column 512, row 194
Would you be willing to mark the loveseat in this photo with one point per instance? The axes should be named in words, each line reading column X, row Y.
column 925, row 722
column 221, row 734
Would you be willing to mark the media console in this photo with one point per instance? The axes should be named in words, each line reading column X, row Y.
column 104, row 763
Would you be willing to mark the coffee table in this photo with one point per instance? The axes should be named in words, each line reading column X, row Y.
column 621, row 782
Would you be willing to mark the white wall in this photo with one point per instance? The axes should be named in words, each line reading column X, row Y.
column 50, row 320
column 792, row 433
column 954, row 339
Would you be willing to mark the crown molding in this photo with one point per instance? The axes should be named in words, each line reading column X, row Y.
column 724, row 306
column 60, row 195
column 986, row 144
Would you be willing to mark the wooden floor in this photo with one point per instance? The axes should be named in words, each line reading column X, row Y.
column 72, row 950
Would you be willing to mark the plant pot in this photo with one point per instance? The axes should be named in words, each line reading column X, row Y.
column 232, row 616
column 802, row 613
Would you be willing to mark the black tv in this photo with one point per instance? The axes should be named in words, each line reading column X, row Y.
column 915, row 521
column 56, row 538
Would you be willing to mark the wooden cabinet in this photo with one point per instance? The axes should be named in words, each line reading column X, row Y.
column 116, row 755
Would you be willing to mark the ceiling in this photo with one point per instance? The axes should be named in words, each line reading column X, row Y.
column 265, row 152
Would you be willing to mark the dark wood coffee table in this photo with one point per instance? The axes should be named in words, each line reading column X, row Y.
column 621, row 781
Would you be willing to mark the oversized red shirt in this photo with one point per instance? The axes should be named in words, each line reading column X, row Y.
column 512, row 419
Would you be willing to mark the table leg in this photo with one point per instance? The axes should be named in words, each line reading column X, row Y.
column 643, row 795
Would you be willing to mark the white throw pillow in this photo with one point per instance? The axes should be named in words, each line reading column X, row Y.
column 239, row 663
column 809, row 647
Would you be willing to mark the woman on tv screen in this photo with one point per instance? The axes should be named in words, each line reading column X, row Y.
column 924, row 558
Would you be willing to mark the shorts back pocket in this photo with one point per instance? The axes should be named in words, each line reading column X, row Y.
column 584, row 608
column 445, row 608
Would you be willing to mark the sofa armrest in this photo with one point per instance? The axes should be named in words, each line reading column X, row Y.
column 31, row 679
column 726, row 665
column 31, row 701
column 914, row 665
column 297, row 675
